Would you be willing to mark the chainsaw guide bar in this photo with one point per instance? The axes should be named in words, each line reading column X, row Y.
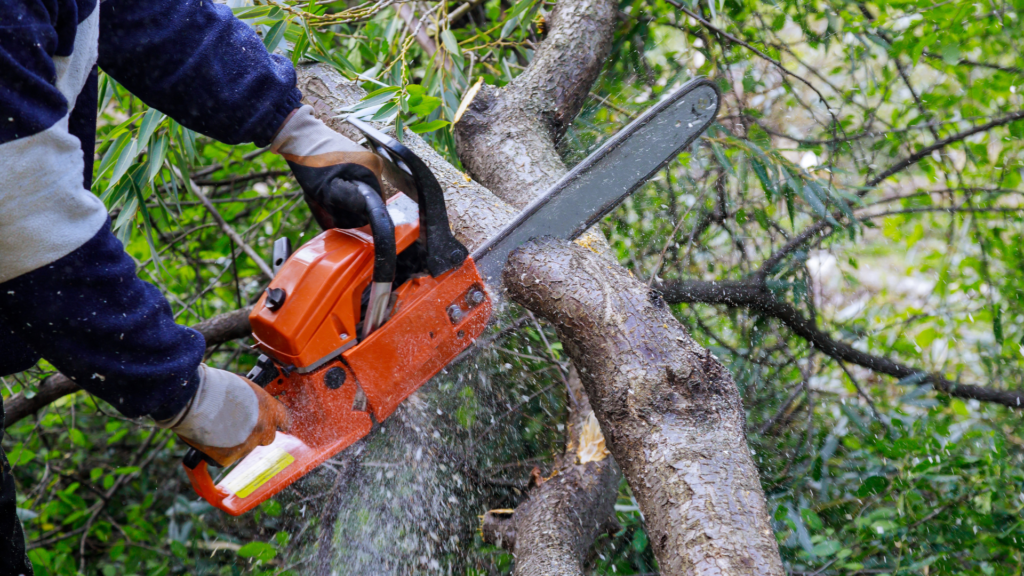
column 344, row 344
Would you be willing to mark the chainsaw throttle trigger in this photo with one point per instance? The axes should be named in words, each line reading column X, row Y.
column 264, row 372
column 193, row 457
column 444, row 252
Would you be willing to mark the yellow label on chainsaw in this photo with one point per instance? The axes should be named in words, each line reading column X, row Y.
column 256, row 474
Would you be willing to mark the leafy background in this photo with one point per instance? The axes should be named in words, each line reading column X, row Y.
column 865, row 474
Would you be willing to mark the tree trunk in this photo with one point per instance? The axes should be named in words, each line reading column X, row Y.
column 669, row 409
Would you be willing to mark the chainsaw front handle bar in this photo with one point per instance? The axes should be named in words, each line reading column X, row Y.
column 444, row 251
column 384, row 259
column 383, row 230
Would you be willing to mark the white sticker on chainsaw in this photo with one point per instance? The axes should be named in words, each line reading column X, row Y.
column 256, row 470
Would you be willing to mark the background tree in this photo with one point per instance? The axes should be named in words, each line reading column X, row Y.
column 846, row 240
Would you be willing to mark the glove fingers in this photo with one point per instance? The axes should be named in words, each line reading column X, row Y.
column 332, row 194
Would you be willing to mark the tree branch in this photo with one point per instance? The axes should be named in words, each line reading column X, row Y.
column 670, row 412
column 506, row 138
column 927, row 150
column 752, row 294
column 822, row 225
column 553, row 530
column 227, row 229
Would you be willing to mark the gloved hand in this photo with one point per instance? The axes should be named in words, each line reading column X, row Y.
column 326, row 165
column 228, row 416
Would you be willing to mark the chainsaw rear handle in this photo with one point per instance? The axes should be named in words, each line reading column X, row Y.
column 196, row 462
column 198, row 472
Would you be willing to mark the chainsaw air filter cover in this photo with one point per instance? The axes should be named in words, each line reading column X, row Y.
column 323, row 283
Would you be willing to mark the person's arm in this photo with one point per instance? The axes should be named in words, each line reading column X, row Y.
column 197, row 63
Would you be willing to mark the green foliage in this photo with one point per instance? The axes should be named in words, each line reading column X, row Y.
column 864, row 474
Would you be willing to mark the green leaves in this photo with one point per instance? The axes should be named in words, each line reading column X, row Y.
column 451, row 44
column 872, row 485
column 429, row 126
column 260, row 551
column 522, row 12
column 419, row 102
column 274, row 36
column 826, row 548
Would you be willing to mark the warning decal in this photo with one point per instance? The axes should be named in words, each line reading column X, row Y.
column 249, row 476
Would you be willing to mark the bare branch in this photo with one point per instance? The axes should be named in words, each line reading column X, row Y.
column 927, row 150
column 227, row 229
column 752, row 294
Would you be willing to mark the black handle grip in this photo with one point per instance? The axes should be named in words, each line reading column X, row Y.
column 444, row 251
column 193, row 457
column 383, row 230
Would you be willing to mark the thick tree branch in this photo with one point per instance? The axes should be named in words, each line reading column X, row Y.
column 670, row 411
column 752, row 294
column 507, row 136
column 553, row 531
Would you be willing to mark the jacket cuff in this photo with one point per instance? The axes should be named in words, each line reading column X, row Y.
column 172, row 410
column 281, row 112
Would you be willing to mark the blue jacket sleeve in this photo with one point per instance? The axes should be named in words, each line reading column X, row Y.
column 90, row 315
column 197, row 63
column 32, row 33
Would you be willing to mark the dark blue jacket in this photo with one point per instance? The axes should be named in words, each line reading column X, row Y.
column 68, row 292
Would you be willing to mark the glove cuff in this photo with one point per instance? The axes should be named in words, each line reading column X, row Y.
column 222, row 413
column 305, row 136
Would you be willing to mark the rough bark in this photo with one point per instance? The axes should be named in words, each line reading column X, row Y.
column 554, row 530
column 217, row 330
column 506, row 138
column 670, row 411
column 753, row 294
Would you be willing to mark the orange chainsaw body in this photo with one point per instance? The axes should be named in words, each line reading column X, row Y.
column 331, row 383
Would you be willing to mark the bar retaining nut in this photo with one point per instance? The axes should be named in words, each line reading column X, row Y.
column 455, row 313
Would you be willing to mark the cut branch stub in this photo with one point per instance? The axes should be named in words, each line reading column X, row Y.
column 552, row 532
column 670, row 411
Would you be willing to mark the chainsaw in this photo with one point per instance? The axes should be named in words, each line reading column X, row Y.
column 356, row 320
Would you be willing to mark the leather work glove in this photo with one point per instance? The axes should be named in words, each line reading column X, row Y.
column 327, row 165
column 228, row 416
